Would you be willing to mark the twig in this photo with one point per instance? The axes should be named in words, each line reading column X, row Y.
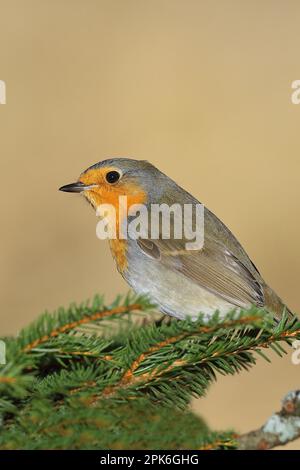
column 282, row 427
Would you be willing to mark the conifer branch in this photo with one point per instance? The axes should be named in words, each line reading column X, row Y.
column 219, row 444
column 81, row 321
column 98, row 381
column 129, row 378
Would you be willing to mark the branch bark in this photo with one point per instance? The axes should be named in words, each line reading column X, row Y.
column 282, row 427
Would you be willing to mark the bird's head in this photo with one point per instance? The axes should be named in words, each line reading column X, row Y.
column 106, row 181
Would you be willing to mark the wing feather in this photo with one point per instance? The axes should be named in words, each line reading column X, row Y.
column 214, row 268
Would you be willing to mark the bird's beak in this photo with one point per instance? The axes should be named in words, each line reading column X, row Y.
column 76, row 187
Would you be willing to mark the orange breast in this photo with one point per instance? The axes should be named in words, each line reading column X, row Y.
column 105, row 193
column 118, row 249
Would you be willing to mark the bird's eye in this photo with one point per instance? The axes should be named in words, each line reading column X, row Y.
column 112, row 177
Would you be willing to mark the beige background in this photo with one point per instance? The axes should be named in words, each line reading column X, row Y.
column 202, row 89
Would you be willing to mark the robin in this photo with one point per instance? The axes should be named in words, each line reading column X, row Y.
column 182, row 282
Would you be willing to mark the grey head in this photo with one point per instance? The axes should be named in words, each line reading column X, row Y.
column 158, row 186
column 154, row 182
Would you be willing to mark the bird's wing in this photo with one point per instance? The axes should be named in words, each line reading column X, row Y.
column 214, row 268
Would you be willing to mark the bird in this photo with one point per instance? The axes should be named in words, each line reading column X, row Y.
column 182, row 283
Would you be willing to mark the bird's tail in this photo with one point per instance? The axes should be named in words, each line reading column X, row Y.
column 276, row 306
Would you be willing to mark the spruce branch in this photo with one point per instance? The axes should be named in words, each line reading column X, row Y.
column 183, row 364
column 35, row 351
column 51, row 326
column 133, row 425
column 129, row 376
column 99, row 379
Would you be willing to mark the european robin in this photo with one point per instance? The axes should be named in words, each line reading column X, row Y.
column 181, row 282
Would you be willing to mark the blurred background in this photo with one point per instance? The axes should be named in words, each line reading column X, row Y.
column 200, row 88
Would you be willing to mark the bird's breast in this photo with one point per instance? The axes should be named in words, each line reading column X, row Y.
column 118, row 249
column 170, row 290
